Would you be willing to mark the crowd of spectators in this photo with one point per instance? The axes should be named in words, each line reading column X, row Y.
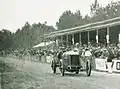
column 108, row 52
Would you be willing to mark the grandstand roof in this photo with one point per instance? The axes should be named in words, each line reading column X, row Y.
column 87, row 27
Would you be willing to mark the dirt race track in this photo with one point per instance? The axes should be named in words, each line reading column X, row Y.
column 34, row 75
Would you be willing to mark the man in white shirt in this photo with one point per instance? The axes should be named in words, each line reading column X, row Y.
column 88, row 53
column 87, row 56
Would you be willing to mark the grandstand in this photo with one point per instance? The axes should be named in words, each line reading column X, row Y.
column 105, row 32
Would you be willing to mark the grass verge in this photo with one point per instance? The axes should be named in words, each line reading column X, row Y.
column 11, row 78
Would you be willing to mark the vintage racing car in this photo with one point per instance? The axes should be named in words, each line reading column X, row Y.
column 71, row 62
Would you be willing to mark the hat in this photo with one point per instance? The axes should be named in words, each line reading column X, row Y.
column 86, row 48
column 76, row 44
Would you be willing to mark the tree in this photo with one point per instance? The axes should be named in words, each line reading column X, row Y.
column 94, row 7
column 2, row 36
column 5, row 39
column 112, row 10
column 86, row 19
column 99, row 15
column 30, row 35
column 69, row 19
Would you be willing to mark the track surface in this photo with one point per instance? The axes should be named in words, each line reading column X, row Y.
column 44, row 79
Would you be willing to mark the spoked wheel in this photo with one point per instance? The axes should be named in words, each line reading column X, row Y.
column 88, row 68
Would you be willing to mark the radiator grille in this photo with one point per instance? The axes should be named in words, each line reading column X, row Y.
column 75, row 60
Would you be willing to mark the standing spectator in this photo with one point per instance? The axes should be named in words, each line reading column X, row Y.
column 109, row 60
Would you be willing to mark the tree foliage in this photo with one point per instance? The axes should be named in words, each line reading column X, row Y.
column 5, row 39
column 112, row 10
column 98, row 13
column 24, row 38
column 69, row 19
column 30, row 35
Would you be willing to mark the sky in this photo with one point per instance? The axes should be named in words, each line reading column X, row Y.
column 14, row 13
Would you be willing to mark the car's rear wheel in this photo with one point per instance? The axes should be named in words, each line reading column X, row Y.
column 54, row 69
column 88, row 68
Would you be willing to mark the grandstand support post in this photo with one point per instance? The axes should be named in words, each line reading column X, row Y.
column 119, row 37
column 55, row 46
column 88, row 37
column 56, row 41
column 80, row 37
column 45, row 43
column 73, row 39
column 61, row 40
column 97, row 36
column 45, row 49
column 107, row 36
column 67, row 39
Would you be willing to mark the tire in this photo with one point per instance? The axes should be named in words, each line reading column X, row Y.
column 88, row 68
column 54, row 69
